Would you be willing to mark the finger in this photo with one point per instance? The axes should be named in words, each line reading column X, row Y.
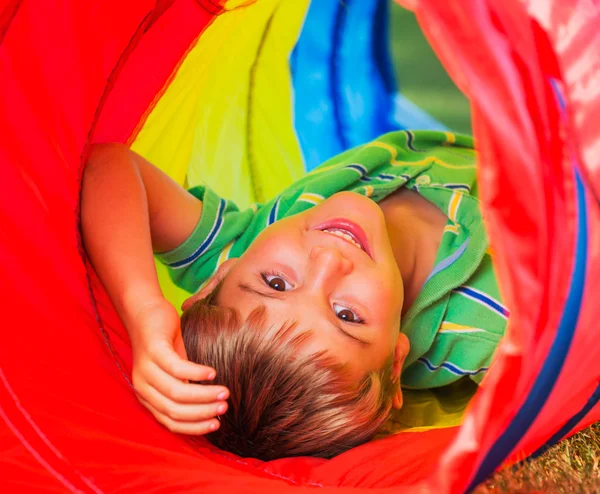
column 183, row 412
column 181, row 392
column 190, row 428
column 168, row 360
column 179, row 346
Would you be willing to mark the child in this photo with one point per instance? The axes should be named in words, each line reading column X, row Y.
column 303, row 296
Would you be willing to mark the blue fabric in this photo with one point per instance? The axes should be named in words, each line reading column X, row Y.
column 343, row 80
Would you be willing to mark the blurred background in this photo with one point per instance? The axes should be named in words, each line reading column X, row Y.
column 421, row 77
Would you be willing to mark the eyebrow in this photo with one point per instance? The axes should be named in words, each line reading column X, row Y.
column 283, row 295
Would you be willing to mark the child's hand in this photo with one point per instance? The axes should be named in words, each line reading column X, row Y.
column 161, row 373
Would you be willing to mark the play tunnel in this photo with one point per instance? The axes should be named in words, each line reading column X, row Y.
column 246, row 96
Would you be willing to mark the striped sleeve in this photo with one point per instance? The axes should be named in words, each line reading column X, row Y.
column 222, row 231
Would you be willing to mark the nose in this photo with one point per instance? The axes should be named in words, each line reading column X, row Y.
column 327, row 266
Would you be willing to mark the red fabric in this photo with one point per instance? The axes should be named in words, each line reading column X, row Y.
column 502, row 56
column 80, row 72
column 149, row 66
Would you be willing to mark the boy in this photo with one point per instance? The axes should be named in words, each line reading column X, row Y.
column 303, row 296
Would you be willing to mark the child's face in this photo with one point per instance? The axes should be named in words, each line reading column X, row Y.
column 349, row 297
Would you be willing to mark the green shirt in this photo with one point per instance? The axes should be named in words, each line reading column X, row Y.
column 458, row 318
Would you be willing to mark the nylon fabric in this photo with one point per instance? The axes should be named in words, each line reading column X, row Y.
column 73, row 73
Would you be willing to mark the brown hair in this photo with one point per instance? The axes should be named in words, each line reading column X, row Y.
column 282, row 403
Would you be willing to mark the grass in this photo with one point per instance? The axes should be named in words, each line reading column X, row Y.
column 571, row 466
column 421, row 77
column 574, row 464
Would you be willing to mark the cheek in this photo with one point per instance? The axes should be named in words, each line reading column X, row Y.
column 263, row 246
column 388, row 282
column 276, row 249
column 391, row 281
column 387, row 297
column 282, row 234
column 388, row 302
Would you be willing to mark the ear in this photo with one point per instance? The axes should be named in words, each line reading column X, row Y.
column 210, row 285
column 402, row 348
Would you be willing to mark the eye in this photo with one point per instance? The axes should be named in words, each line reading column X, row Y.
column 347, row 314
column 276, row 282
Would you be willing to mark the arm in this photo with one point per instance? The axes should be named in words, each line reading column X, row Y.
column 128, row 208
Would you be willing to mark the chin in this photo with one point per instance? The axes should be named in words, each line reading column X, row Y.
column 352, row 202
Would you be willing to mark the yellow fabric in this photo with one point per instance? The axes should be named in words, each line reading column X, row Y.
column 431, row 408
column 226, row 118
column 235, row 4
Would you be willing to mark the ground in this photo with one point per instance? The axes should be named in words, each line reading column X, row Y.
column 572, row 466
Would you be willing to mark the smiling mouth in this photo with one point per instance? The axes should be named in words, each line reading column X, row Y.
column 344, row 234
column 348, row 231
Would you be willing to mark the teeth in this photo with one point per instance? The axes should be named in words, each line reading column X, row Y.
column 343, row 234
